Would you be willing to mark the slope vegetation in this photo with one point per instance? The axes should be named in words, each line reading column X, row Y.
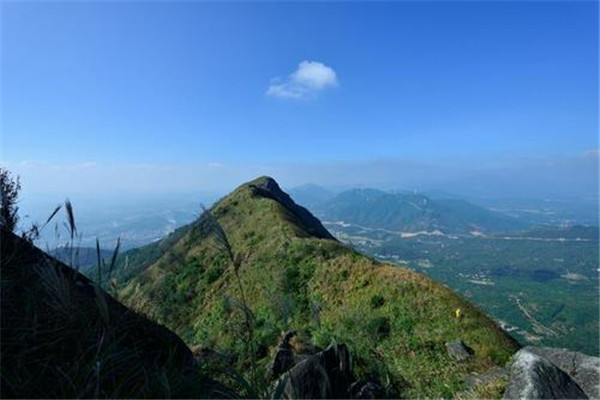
column 283, row 268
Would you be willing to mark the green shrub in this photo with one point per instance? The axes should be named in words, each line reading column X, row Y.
column 378, row 327
column 377, row 301
column 212, row 274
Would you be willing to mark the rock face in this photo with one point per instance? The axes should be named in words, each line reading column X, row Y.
column 325, row 375
column 459, row 351
column 584, row 369
column 534, row 377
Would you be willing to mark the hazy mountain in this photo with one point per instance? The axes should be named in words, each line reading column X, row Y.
column 81, row 258
column 311, row 195
column 262, row 255
column 407, row 212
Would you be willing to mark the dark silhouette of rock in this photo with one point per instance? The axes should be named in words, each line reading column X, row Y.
column 325, row 375
column 459, row 351
column 534, row 377
column 284, row 358
column 367, row 389
column 584, row 369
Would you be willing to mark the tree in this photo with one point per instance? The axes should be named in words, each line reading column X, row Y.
column 9, row 196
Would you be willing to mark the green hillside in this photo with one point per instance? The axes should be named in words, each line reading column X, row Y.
column 413, row 213
column 281, row 270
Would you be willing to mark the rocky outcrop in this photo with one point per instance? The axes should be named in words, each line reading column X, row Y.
column 325, row 375
column 583, row 369
column 459, row 351
column 534, row 377
column 284, row 357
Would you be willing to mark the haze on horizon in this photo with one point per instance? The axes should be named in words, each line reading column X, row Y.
column 486, row 99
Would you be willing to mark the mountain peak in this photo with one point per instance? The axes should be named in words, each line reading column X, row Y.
column 267, row 187
column 268, row 184
column 263, row 181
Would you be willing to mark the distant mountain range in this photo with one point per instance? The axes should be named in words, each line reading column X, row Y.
column 311, row 195
column 405, row 212
column 81, row 258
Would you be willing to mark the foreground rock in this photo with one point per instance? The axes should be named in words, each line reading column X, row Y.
column 325, row 375
column 367, row 389
column 534, row 377
column 284, row 358
column 584, row 369
column 459, row 351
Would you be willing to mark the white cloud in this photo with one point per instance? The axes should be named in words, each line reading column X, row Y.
column 310, row 78
column 593, row 154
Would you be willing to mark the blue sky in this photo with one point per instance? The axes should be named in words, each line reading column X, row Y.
column 109, row 92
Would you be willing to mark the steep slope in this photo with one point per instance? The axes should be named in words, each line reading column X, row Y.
column 63, row 337
column 295, row 276
column 412, row 213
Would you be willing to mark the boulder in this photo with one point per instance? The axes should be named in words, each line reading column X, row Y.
column 325, row 375
column 367, row 389
column 284, row 358
column 459, row 351
column 534, row 377
column 583, row 369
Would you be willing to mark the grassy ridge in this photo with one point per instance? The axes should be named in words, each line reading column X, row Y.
column 395, row 321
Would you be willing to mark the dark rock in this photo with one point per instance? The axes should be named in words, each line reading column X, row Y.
column 534, row 377
column 459, row 351
column 325, row 375
column 367, row 389
column 284, row 358
column 584, row 369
